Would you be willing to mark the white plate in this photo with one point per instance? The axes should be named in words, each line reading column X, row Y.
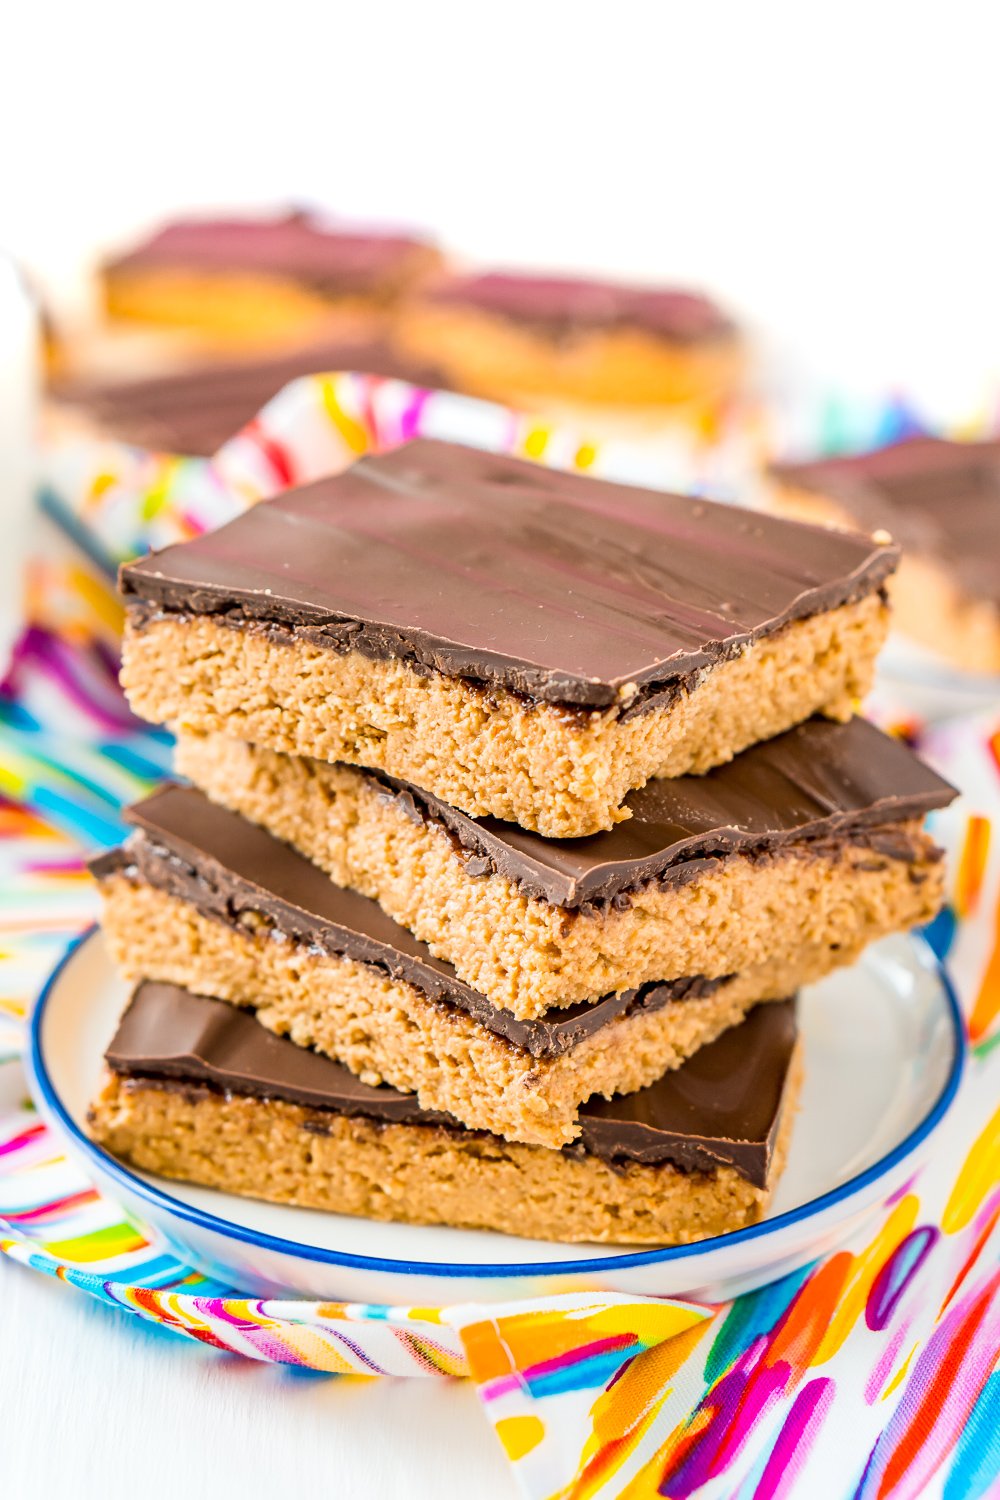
column 883, row 1054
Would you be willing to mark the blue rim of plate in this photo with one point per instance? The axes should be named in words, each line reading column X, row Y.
column 53, row 1105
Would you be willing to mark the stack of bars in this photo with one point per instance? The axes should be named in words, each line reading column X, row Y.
column 512, row 795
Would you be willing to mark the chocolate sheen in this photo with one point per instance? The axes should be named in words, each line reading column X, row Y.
column 819, row 781
column 720, row 1109
column 226, row 867
column 566, row 305
column 564, row 588
column 195, row 411
column 308, row 249
column 938, row 498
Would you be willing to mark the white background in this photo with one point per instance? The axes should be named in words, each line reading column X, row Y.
column 828, row 170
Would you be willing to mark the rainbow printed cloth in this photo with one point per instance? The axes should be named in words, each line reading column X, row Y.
column 870, row 1374
column 114, row 500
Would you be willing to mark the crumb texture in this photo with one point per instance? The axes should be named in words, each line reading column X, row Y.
column 386, row 1031
column 529, row 956
column 417, row 1174
column 563, row 775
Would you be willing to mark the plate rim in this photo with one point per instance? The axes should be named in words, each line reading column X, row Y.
column 51, row 1103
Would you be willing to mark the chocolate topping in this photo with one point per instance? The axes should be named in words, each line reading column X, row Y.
column 236, row 873
column 195, row 411
column 819, row 781
column 567, row 305
column 299, row 246
column 166, row 1032
column 938, row 498
column 720, row 1109
column 566, row 589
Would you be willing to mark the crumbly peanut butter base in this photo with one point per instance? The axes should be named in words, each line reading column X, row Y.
column 387, row 1031
column 529, row 956
column 562, row 774
column 420, row 1175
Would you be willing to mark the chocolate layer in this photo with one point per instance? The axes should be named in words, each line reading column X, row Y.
column 314, row 252
column 195, row 411
column 819, row 781
column 235, row 872
column 721, row 1108
column 567, row 589
column 562, row 306
column 938, row 498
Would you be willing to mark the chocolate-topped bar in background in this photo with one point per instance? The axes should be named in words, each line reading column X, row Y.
column 195, row 409
column 941, row 502
column 521, row 642
column 265, row 279
column 813, row 837
column 200, row 896
column 198, row 1091
column 528, row 339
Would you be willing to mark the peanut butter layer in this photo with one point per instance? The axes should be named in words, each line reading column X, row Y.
column 560, row 775
column 239, row 310
column 731, row 898
column 489, row 356
column 226, row 866
column 720, row 1109
column 385, row 1030
column 720, row 1122
column 516, row 640
column 417, row 1175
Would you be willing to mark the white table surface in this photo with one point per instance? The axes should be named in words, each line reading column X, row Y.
column 95, row 1404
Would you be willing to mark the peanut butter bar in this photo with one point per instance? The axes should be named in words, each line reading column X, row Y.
column 527, row 339
column 522, row 643
column 941, row 501
column 813, row 838
column 199, row 1091
column 202, row 898
column 264, row 279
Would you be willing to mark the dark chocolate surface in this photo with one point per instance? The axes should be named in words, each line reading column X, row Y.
column 721, row 1108
column 324, row 255
column 564, row 588
column 195, row 411
column 563, row 305
column 819, row 781
column 938, row 498
column 235, row 872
